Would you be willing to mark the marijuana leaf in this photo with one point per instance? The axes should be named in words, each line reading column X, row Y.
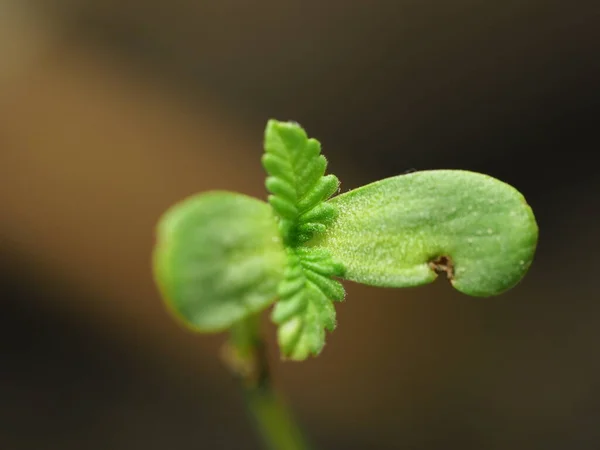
column 305, row 307
column 404, row 230
column 221, row 257
column 299, row 188
column 297, row 181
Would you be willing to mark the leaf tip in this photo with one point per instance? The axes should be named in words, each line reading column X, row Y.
column 287, row 129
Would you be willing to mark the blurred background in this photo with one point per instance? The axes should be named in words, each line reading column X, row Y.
column 110, row 111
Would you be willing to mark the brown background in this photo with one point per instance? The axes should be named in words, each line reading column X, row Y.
column 110, row 111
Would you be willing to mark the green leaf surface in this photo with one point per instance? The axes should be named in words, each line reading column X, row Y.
column 299, row 188
column 218, row 258
column 305, row 307
column 297, row 181
column 403, row 231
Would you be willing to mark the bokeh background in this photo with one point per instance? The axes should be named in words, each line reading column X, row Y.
column 110, row 111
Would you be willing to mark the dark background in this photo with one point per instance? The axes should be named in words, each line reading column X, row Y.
column 110, row 111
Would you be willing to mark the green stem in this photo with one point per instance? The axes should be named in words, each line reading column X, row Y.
column 246, row 357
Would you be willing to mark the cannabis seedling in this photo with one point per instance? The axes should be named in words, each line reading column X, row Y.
column 222, row 257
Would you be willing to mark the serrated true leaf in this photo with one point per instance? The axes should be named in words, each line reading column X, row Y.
column 403, row 231
column 304, row 335
column 297, row 181
column 299, row 187
column 218, row 258
column 305, row 307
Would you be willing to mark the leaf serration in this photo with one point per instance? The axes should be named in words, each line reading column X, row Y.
column 298, row 190
column 297, row 182
column 305, row 307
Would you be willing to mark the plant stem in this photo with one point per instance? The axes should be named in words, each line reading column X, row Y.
column 245, row 355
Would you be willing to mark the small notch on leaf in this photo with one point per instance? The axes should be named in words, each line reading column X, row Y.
column 443, row 264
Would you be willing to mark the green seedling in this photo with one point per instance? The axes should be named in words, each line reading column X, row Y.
column 222, row 257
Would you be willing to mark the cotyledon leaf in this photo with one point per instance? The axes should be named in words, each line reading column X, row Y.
column 218, row 258
column 403, row 231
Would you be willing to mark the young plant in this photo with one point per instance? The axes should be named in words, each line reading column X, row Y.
column 222, row 257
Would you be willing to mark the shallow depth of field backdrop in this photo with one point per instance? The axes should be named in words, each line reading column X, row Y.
column 110, row 111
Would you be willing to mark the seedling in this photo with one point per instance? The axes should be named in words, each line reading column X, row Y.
column 222, row 257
